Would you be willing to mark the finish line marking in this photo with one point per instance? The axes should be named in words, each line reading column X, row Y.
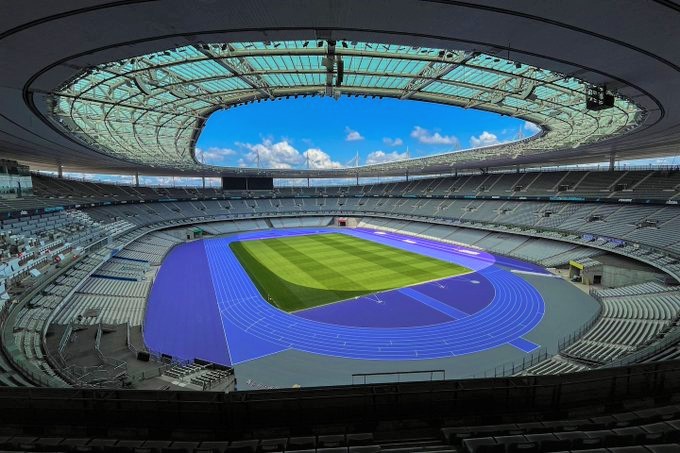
column 469, row 252
column 540, row 274
column 524, row 345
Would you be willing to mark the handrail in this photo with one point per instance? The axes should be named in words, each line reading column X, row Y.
column 572, row 338
column 128, row 341
column 399, row 374
column 118, row 366
column 513, row 367
column 65, row 337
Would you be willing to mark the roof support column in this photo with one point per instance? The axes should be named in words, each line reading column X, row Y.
column 612, row 161
column 60, row 171
column 137, row 179
column 203, row 181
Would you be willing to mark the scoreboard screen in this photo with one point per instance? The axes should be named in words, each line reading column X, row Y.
column 247, row 183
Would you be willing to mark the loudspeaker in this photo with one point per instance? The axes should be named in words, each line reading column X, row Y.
column 597, row 98
column 143, row 356
column 341, row 72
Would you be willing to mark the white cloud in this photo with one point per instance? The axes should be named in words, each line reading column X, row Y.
column 213, row 154
column 485, row 139
column 168, row 181
column 380, row 157
column 271, row 155
column 320, row 160
column 428, row 138
column 393, row 141
column 282, row 154
column 352, row 136
column 531, row 127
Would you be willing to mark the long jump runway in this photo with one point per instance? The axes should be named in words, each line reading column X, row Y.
column 204, row 305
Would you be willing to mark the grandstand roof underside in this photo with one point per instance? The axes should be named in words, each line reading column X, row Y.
column 73, row 95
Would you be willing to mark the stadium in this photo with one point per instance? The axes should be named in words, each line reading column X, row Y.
column 519, row 295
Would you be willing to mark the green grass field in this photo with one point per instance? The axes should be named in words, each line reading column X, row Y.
column 301, row 272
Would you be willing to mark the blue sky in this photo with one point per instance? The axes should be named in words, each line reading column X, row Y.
column 285, row 133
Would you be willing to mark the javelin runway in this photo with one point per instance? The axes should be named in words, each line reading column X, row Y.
column 204, row 305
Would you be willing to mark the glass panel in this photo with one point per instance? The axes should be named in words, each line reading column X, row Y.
column 145, row 109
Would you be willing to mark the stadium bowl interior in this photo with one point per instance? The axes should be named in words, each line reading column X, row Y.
column 494, row 299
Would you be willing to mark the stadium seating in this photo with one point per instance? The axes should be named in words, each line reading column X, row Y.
column 641, row 431
column 647, row 184
column 506, row 415
column 632, row 317
column 112, row 289
column 108, row 285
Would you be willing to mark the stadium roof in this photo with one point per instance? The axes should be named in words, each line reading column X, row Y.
column 150, row 108
column 126, row 86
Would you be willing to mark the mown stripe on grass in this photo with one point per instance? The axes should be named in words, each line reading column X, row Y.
column 306, row 271
column 402, row 262
column 281, row 293
column 311, row 266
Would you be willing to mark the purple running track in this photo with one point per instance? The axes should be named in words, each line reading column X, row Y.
column 202, row 295
column 182, row 316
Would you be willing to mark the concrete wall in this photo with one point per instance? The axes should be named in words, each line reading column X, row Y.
column 614, row 276
column 185, row 234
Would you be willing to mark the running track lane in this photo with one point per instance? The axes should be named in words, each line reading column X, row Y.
column 254, row 328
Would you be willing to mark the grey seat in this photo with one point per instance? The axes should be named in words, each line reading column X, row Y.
column 332, row 440
column 272, row 445
column 629, row 449
column 664, row 448
column 479, row 444
column 365, row 449
column 571, row 435
column 359, row 439
column 301, row 443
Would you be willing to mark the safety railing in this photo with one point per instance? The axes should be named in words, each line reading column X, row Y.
column 398, row 376
column 128, row 340
column 572, row 338
column 514, row 367
column 116, row 367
